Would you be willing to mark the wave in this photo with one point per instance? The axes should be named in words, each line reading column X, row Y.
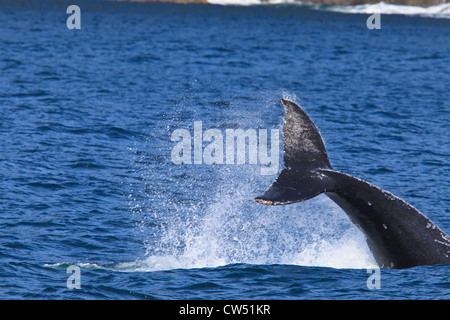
column 441, row 11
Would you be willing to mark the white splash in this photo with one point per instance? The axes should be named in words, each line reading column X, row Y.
column 441, row 11
column 233, row 228
column 438, row 11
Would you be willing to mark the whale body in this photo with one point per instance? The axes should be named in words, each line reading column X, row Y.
column 398, row 235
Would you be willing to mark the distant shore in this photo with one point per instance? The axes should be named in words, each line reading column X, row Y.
column 173, row 1
column 420, row 3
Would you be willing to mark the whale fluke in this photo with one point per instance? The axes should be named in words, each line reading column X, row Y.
column 304, row 152
column 398, row 235
column 303, row 144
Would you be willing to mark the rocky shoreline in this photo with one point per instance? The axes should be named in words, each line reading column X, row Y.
column 420, row 3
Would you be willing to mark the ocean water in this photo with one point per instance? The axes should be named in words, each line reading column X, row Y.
column 87, row 174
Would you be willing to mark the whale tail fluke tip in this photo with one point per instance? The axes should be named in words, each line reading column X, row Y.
column 304, row 155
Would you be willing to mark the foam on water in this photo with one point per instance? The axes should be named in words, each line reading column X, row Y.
column 438, row 11
column 441, row 11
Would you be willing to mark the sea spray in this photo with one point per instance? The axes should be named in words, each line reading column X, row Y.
column 227, row 226
column 196, row 216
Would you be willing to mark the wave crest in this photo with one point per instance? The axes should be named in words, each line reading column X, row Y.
column 440, row 11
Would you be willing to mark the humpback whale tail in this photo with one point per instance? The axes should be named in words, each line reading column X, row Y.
column 398, row 235
column 304, row 156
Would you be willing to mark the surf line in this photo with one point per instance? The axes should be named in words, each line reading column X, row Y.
column 233, row 142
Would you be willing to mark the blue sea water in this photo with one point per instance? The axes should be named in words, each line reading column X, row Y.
column 87, row 177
